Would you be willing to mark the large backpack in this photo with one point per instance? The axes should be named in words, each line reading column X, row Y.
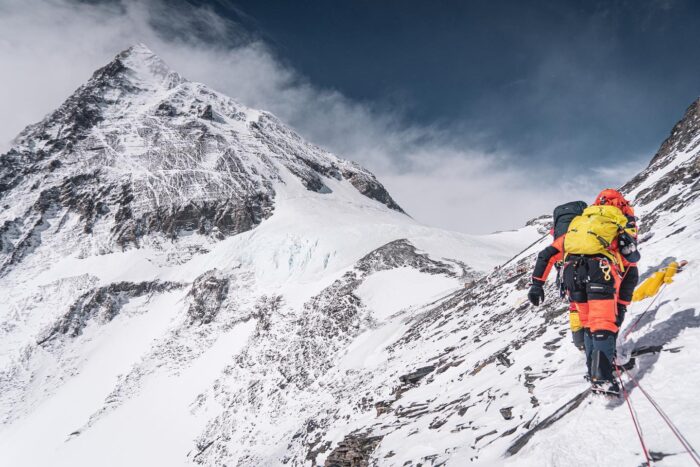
column 564, row 214
column 594, row 231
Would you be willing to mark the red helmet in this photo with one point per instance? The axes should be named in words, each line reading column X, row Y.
column 614, row 198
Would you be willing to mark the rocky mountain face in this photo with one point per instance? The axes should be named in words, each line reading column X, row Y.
column 674, row 172
column 188, row 282
column 139, row 152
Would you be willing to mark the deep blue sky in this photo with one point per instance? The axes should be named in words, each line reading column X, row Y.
column 544, row 79
column 530, row 102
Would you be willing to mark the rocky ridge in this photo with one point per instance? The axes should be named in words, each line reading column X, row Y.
column 190, row 160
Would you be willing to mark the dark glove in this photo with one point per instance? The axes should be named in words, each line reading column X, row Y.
column 536, row 294
column 621, row 310
column 628, row 247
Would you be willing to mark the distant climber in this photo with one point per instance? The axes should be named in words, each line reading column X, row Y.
column 599, row 274
column 552, row 256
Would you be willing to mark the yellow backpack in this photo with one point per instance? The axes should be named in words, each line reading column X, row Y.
column 592, row 232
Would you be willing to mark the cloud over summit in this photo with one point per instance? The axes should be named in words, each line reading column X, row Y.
column 438, row 174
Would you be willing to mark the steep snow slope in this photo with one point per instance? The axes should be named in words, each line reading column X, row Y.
column 476, row 377
column 182, row 275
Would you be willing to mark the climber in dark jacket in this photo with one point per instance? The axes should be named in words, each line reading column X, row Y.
column 552, row 256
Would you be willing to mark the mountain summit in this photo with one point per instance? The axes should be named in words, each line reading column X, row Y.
column 140, row 150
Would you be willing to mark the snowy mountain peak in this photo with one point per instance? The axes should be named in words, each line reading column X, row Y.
column 138, row 52
column 142, row 155
column 671, row 181
column 684, row 135
column 146, row 67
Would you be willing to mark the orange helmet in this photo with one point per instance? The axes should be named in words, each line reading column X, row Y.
column 614, row 198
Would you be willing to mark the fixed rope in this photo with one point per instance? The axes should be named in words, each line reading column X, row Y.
column 635, row 421
column 523, row 250
column 674, row 429
column 635, row 323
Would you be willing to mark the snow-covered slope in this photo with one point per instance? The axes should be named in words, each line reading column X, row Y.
column 481, row 377
column 186, row 280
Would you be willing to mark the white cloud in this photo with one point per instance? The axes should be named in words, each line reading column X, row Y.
column 49, row 47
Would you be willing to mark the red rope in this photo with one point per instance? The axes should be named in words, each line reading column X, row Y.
column 634, row 419
column 691, row 451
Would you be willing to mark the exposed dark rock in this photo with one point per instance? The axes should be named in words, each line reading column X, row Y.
column 201, row 448
column 383, row 407
column 480, row 437
column 208, row 293
column 506, row 413
column 31, row 227
column 191, row 178
column 315, row 450
column 415, row 410
column 354, row 451
column 557, row 415
column 401, row 253
column 503, row 359
column 447, row 366
column 207, row 113
column 266, row 307
column 371, row 188
column 225, row 217
column 10, row 232
column 335, row 314
column 310, row 175
column 102, row 304
column 54, row 164
column 12, row 167
column 463, row 410
column 552, row 344
column 417, row 375
column 682, row 134
column 166, row 109
column 437, row 423
column 86, row 195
